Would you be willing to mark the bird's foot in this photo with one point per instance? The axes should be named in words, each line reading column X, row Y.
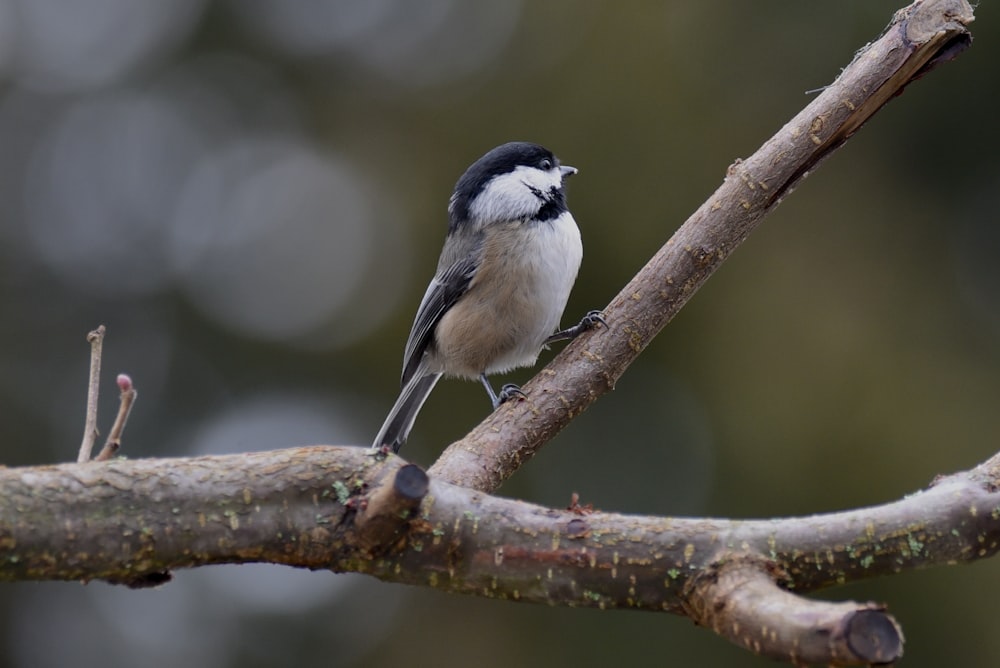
column 508, row 392
column 589, row 321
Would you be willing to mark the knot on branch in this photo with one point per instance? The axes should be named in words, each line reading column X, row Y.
column 385, row 512
column 739, row 597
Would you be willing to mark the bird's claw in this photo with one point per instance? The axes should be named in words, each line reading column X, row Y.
column 592, row 319
column 508, row 392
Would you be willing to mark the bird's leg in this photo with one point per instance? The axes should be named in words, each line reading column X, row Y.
column 510, row 390
column 589, row 321
column 507, row 392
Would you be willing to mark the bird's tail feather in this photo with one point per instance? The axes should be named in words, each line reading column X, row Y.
column 397, row 425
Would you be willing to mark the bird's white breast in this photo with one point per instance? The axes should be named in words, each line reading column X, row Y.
column 515, row 300
column 548, row 261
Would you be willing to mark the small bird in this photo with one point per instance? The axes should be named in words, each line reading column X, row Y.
column 509, row 261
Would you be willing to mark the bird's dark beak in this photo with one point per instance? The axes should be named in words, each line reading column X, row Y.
column 566, row 170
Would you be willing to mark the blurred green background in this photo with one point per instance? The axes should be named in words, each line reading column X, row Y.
column 251, row 195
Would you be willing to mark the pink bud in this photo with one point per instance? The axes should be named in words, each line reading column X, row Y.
column 124, row 382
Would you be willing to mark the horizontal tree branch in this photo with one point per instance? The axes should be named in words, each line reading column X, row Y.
column 134, row 521
column 919, row 37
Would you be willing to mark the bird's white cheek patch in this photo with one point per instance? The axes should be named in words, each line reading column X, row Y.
column 511, row 196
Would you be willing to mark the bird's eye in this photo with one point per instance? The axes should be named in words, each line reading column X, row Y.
column 545, row 164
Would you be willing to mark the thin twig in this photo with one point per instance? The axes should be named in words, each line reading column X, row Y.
column 96, row 339
column 126, row 399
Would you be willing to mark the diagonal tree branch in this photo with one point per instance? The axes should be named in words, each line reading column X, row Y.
column 919, row 37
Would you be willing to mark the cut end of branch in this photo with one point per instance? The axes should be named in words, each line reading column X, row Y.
column 740, row 600
column 410, row 485
column 942, row 23
column 385, row 512
column 874, row 637
column 96, row 335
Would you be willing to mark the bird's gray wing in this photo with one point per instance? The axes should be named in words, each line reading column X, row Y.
column 445, row 289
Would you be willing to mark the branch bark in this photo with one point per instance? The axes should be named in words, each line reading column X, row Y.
column 134, row 521
column 740, row 600
column 920, row 36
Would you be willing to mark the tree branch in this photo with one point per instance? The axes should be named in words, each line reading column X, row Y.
column 132, row 521
column 919, row 37
column 740, row 600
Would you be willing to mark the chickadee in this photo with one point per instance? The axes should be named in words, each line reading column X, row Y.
column 506, row 270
